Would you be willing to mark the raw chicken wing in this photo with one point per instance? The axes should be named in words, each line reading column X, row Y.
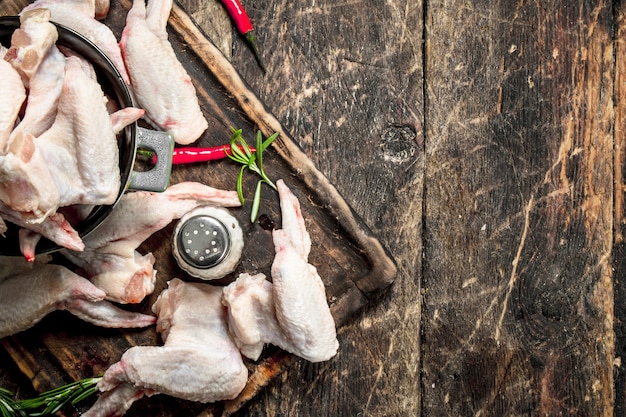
column 57, row 169
column 79, row 16
column 252, row 315
column 290, row 312
column 29, row 292
column 11, row 99
column 35, row 56
column 160, row 83
column 43, row 96
column 198, row 361
column 299, row 294
column 55, row 227
column 25, row 183
column 31, row 42
column 110, row 257
column 301, row 306
column 292, row 221
column 81, row 146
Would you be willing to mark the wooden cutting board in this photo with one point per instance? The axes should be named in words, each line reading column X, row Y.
column 351, row 261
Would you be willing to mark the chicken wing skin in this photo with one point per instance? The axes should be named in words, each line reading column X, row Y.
column 110, row 257
column 252, row 315
column 80, row 16
column 198, row 360
column 301, row 306
column 160, row 83
column 25, row 184
column 78, row 138
column 57, row 169
column 34, row 291
column 30, row 43
column 11, row 99
column 292, row 221
column 43, row 96
column 87, row 7
column 292, row 311
column 55, row 227
column 299, row 294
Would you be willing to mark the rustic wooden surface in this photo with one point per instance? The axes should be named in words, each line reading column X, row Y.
column 518, row 306
column 483, row 143
column 353, row 263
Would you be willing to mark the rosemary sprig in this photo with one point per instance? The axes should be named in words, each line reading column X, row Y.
column 6, row 403
column 49, row 402
column 240, row 152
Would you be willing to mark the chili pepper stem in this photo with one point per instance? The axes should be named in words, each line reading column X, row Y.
column 251, row 38
column 244, row 26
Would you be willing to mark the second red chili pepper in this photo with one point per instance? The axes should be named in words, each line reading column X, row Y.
column 244, row 26
column 188, row 155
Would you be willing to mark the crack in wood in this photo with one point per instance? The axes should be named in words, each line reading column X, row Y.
column 515, row 263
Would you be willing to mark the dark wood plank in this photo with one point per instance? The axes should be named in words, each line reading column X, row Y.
column 620, row 213
column 345, row 79
column 517, row 315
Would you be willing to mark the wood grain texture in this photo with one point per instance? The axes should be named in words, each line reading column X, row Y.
column 71, row 353
column 518, row 313
column 346, row 80
column 620, row 214
column 480, row 141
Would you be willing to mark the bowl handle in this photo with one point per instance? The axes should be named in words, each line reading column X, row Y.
column 158, row 178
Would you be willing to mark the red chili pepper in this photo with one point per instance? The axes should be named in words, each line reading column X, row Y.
column 244, row 26
column 191, row 155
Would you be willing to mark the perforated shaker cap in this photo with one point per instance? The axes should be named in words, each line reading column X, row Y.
column 208, row 242
column 203, row 241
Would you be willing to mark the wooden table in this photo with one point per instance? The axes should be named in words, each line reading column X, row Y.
column 483, row 143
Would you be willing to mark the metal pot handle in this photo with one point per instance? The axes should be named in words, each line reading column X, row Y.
column 158, row 178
